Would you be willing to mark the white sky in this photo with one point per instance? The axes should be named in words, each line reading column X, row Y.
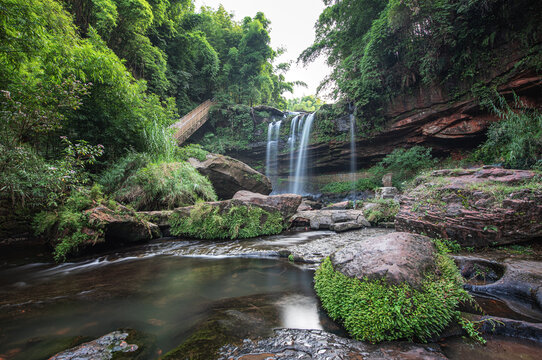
column 292, row 27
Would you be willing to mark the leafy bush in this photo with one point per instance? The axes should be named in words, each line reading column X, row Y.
column 385, row 210
column 376, row 311
column 407, row 163
column 113, row 178
column 192, row 151
column 515, row 141
column 235, row 222
column 68, row 225
column 165, row 185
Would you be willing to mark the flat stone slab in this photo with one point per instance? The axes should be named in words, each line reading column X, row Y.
column 328, row 219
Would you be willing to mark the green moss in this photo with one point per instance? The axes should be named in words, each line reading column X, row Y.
column 233, row 222
column 375, row 311
column 146, row 346
column 69, row 224
column 203, row 344
column 385, row 211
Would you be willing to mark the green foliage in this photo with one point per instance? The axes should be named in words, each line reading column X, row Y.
column 407, row 163
column 233, row 128
column 381, row 49
column 515, row 141
column 385, row 210
column 193, row 151
column 233, row 222
column 69, row 223
column 404, row 164
column 309, row 103
column 163, row 185
column 376, row 311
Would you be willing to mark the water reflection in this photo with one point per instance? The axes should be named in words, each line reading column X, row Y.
column 299, row 312
column 165, row 296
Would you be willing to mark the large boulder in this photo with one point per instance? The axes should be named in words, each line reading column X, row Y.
column 287, row 204
column 100, row 227
column 120, row 225
column 229, row 176
column 337, row 220
column 476, row 207
column 395, row 257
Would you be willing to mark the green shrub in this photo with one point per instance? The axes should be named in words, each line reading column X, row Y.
column 405, row 164
column 385, row 211
column 165, row 185
column 113, row 178
column 515, row 141
column 192, row 151
column 235, row 222
column 376, row 311
column 68, row 225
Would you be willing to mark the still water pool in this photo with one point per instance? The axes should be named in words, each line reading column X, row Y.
column 43, row 305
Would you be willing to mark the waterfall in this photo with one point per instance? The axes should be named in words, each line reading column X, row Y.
column 292, row 140
column 271, row 161
column 298, row 186
column 353, row 155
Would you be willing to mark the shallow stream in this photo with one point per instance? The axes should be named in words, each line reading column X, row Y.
column 166, row 288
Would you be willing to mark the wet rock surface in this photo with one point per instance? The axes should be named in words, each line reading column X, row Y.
column 317, row 250
column 519, row 281
column 100, row 349
column 396, row 257
column 476, row 207
column 287, row 204
column 317, row 344
column 229, row 176
column 330, row 219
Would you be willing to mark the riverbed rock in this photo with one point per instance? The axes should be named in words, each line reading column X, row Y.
column 121, row 225
column 519, row 281
column 386, row 193
column 397, row 258
column 287, row 204
column 329, row 219
column 229, row 176
column 476, row 207
column 302, row 344
column 99, row 349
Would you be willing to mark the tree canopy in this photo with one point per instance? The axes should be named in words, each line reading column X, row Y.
column 379, row 49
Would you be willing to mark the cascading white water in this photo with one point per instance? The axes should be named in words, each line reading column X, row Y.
column 292, row 140
column 298, row 186
column 353, row 154
column 271, row 161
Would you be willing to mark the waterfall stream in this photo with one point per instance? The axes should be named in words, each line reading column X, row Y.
column 353, row 155
column 271, row 161
column 300, row 177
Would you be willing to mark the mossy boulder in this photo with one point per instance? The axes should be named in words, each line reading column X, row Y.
column 228, row 219
column 397, row 286
column 229, row 176
column 475, row 207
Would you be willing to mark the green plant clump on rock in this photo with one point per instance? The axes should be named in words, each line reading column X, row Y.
column 375, row 311
column 235, row 222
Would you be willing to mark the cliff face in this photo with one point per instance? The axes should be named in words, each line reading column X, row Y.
column 428, row 117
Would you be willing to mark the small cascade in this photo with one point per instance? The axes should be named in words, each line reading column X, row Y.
column 271, row 161
column 353, row 155
column 298, row 186
column 292, row 141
